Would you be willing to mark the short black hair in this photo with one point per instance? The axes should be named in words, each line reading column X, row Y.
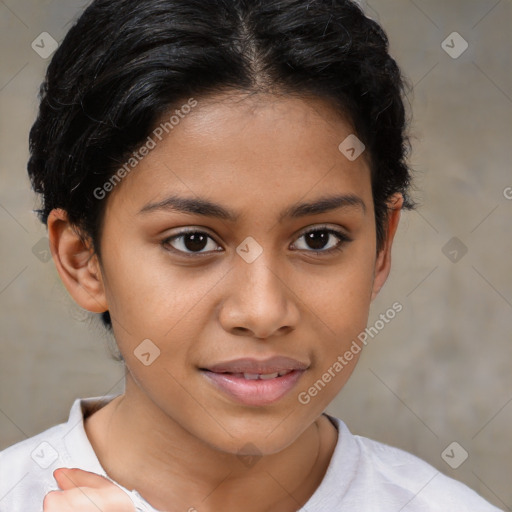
column 126, row 63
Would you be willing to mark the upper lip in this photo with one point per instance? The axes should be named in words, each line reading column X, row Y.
column 255, row 366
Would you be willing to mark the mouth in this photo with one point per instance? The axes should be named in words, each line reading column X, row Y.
column 255, row 383
column 256, row 376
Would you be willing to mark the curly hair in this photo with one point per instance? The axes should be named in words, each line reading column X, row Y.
column 125, row 63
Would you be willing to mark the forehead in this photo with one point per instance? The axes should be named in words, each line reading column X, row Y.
column 246, row 151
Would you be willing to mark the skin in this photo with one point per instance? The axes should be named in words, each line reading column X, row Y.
column 87, row 492
column 172, row 435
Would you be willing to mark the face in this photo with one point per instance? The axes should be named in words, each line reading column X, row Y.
column 270, row 272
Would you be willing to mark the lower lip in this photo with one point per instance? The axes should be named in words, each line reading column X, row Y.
column 255, row 392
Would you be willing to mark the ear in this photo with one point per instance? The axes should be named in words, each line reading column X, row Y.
column 76, row 263
column 383, row 260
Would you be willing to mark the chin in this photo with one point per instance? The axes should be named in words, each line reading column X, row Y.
column 252, row 436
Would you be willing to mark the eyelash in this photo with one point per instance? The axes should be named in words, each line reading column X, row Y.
column 342, row 237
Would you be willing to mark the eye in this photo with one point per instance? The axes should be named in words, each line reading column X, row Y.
column 191, row 242
column 317, row 239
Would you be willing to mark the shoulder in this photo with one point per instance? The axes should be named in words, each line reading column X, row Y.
column 401, row 479
column 26, row 468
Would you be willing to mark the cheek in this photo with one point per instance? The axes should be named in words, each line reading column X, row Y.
column 340, row 316
column 341, row 300
column 149, row 295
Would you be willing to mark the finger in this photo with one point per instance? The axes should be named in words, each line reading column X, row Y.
column 71, row 501
column 70, row 478
column 84, row 499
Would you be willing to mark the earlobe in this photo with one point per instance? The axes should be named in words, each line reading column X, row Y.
column 383, row 261
column 76, row 263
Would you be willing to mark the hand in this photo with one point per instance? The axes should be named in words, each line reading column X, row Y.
column 86, row 492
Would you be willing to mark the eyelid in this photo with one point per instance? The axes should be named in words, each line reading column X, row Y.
column 322, row 227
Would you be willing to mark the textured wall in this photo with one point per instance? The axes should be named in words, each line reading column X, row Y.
column 439, row 372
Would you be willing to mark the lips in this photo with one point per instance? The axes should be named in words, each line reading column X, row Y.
column 256, row 382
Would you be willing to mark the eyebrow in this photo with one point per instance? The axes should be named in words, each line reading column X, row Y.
column 207, row 208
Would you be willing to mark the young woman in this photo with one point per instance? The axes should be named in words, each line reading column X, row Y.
column 222, row 181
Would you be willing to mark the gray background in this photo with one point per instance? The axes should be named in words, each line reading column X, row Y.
column 440, row 371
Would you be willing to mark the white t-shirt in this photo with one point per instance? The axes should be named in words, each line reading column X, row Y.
column 363, row 475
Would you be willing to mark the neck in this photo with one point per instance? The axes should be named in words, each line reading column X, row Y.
column 142, row 448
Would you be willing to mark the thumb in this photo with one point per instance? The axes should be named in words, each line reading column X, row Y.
column 69, row 478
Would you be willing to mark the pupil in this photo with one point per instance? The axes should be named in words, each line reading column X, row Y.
column 195, row 242
column 317, row 239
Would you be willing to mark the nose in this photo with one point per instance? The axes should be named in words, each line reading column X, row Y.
column 259, row 301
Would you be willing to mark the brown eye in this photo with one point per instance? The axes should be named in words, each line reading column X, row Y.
column 323, row 240
column 191, row 242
